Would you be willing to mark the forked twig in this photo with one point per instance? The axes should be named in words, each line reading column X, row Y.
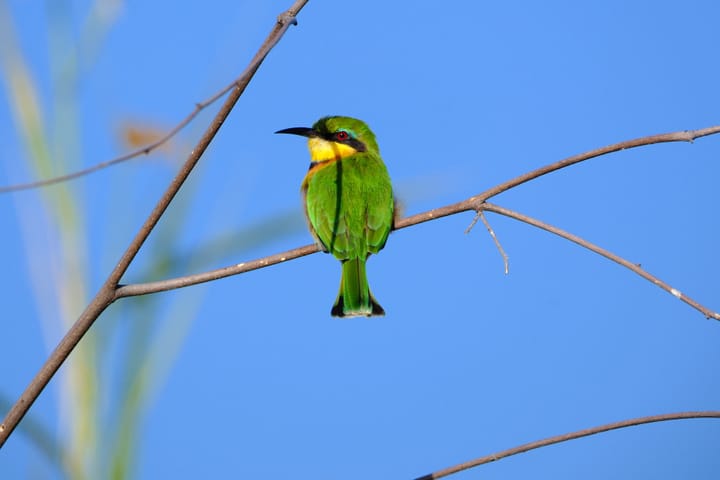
column 605, row 253
column 481, row 216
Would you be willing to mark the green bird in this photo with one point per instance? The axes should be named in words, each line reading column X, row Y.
column 349, row 204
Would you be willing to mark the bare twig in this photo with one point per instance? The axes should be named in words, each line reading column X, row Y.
column 106, row 295
column 490, row 230
column 473, row 203
column 130, row 155
column 605, row 253
column 123, row 158
column 179, row 282
column 683, row 136
column 565, row 437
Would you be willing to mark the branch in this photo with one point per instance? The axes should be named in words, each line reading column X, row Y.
column 473, row 203
column 568, row 436
column 199, row 107
column 123, row 158
column 605, row 253
column 136, row 289
column 106, row 295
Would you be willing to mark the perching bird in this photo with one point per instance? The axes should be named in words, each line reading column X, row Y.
column 348, row 203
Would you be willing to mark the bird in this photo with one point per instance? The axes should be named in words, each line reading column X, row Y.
column 349, row 204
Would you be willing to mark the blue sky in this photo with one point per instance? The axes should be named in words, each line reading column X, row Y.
column 468, row 361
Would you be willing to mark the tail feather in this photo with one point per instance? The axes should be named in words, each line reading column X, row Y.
column 354, row 298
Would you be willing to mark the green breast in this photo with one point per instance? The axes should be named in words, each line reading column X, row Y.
column 350, row 205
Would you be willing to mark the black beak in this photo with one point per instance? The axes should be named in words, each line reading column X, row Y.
column 302, row 131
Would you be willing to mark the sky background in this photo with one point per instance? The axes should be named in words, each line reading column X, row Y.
column 250, row 374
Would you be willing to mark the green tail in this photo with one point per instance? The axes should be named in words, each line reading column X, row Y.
column 355, row 299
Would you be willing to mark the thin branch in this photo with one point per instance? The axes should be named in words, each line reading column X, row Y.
column 106, row 295
column 683, row 136
column 473, row 203
column 123, row 158
column 605, row 253
column 136, row 289
column 564, row 438
column 490, row 230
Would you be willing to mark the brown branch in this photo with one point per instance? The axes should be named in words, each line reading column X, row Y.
column 136, row 289
column 123, row 158
column 106, row 295
column 605, row 253
column 473, row 203
column 683, row 136
column 564, row 438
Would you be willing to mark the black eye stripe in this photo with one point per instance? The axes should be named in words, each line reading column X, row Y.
column 356, row 144
column 347, row 140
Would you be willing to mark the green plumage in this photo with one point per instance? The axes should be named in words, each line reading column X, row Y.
column 349, row 204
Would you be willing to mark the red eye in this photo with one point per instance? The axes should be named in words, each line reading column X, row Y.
column 342, row 136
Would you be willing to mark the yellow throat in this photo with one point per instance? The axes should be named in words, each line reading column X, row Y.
column 323, row 150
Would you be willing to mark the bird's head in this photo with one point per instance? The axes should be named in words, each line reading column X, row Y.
column 333, row 138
